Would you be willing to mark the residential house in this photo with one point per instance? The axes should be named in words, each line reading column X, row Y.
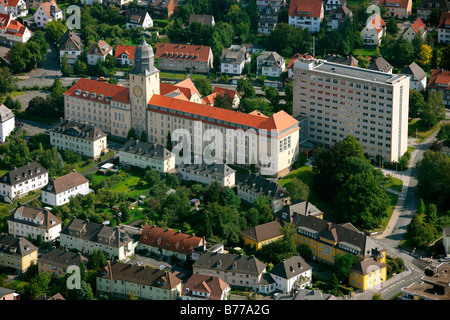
column 292, row 274
column 305, row 294
column 440, row 81
column 182, row 57
column 270, row 63
column 33, row 3
column 417, row 28
column 373, row 31
column 8, row 294
column 17, row 253
column 99, row 50
column 124, row 55
column 18, row 182
column 168, row 242
column 446, row 240
column 331, row 5
column 337, row 16
column 29, row 222
column 147, row 155
column 418, row 77
column 268, row 19
column 344, row 60
column 162, row 8
column 12, row 31
column 47, row 11
column 327, row 239
column 444, row 28
column 85, row 236
column 207, row 173
column 399, row 9
column 71, row 46
column 434, row 285
column 307, row 14
column 258, row 236
column 300, row 207
column 223, row 91
column 14, row 8
column 206, row 247
column 58, row 191
column 138, row 19
column 183, row 90
column 426, row 7
column 83, row 139
column 120, row 279
column 205, row 19
column 277, row 4
column 294, row 58
column 253, row 186
column 7, row 122
column 203, row 287
column 251, row 47
column 57, row 261
column 232, row 61
column 380, row 64
column 236, row 270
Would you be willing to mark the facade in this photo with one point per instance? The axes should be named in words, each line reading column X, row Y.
column 232, row 61
column 86, row 237
column 278, row 4
column 268, row 19
column 8, row 294
column 147, row 155
column 440, row 82
column 444, row 28
column 138, row 19
column 201, row 287
column 182, row 57
column 48, row 11
column 18, row 182
column 253, row 186
column 270, row 63
column 169, row 242
column 14, row 8
column 292, row 274
column 446, row 240
column 416, row 28
column 434, row 285
column 338, row 15
column 124, row 55
column 162, row 8
column 7, row 122
column 425, row 7
column 71, row 46
column 306, row 14
column 99, row 50
column 34, row 223
column 341, row 100
column 17, row 253
column 207, row 173
column 236, row 270
column 56, row 261
column 59, row 191
column 331, row 5
column 400, row 9
column 83, row 139
column 417, row 77
column 263, row 234
column 120, row 279
column 205, row 19
column 294, row 58
column 374, row 30
column 12, row 31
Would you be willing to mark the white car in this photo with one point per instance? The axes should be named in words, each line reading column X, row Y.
column 138, row 263
column 162, row 266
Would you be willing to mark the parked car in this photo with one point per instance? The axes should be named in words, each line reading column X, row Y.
column 138, row 263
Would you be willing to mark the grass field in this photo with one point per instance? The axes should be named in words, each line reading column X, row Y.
column 364, row 52
column 395, row 184
column 172, row 75
column 423, row 132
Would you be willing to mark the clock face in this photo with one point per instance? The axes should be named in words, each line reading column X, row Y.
column 137, row 91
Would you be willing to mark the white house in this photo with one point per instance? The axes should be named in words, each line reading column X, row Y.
column 71, row 46
column 124, row 55
column 48, row 11
column 202, row 287
column 7, row 122
column 31, row 222
column 444, row 28
column 138, row 19
column 98, row 50
column 12, row 31
column 207, row 173
column 417, row 77
column 270, row 63
column 416, row 28
column 233, row 60
column 142, row 154
column 14, row 8
column 59, row 191
column 19, row 182
column 307, row 14
column 292, row 274
column 374, row 30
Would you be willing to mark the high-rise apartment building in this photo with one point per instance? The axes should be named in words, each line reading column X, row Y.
column 341, row 100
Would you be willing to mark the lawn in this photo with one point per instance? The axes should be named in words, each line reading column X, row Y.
column 172, row 75
column 395, row 184
column 364, row 52
column 423, row 132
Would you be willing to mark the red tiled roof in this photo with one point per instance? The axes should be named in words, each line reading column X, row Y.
column 306, row 8
column 377, row 23
column 205, row 284
column 116, row 92
column 169, row 239
column 12, row 27
column 232, row 93
column 418, row 25
column 129, row 50
column 297, row 56
column 210, row 99
column 186, row 86
column 440, row 79
column 444, row 22
column 182, row 51
column 102, row 48
column 46, row 7
column 393, row 3
column 11, row 3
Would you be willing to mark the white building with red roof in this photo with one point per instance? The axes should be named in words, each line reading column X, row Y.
column 14, row 8
column 181, row 57
column 99, row 50
column 444, row 28
column 440, row 81
column 47, row 11
column 202, row 287
column 416, row 28
column 307, row 14
column 124, row 55
column 12, row 31
column 374, row 30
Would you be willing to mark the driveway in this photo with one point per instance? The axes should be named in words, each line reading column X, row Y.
column 28, row 95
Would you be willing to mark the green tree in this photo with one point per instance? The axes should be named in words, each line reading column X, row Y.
column 132, row 134
column 416, row 103
column 342, row 265
column 7, row 81
column 204, row 86
column 152, row 177
column 443, row 134
column 297, row 190
column 431, row 216
column 434, row 111
column 66, row 70
column 54, row 30
column 391, row 26
column 97, row 260
column 223, row 100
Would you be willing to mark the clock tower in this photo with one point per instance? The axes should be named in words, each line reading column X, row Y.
column 144, row 83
